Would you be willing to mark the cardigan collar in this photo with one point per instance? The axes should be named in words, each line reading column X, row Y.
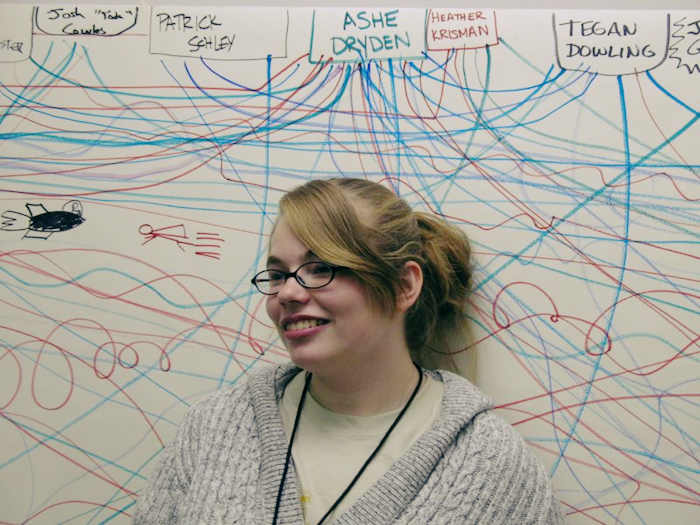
column 394, row 490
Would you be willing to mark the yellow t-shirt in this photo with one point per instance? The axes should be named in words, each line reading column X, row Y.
column 329, row 448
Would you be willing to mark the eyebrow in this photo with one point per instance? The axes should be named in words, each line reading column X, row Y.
column 273, row 260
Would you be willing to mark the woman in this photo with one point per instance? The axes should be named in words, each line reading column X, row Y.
column 364, row 293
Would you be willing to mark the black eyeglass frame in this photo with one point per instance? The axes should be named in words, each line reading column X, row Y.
column 334, row 268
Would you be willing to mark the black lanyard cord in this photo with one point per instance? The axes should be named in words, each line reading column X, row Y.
column 289, row 448
column 364, row 467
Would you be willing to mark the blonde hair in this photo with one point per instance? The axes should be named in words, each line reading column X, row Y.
column 365, row 227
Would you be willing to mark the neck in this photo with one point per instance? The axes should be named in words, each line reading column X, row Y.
column 367, row 390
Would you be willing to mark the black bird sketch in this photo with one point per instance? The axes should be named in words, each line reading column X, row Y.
column 41, row 223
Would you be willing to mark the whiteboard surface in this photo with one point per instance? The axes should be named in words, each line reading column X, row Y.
column 143, row 152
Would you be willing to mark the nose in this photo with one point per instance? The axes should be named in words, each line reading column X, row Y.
column 292, row 291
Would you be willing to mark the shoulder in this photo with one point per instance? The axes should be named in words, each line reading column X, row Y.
column 507, row 470
column 483, row 435
column 489, row 461
column 261, row 387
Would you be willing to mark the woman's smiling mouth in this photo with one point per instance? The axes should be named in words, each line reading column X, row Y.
column 304, row 324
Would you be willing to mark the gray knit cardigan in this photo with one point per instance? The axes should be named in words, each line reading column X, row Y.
column 226, row 461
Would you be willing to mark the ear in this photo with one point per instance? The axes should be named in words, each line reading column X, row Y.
column 411, row 286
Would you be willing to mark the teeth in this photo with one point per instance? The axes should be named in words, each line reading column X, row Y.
column 304, row 325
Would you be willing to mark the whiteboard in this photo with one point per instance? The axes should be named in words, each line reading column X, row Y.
column 143, row 152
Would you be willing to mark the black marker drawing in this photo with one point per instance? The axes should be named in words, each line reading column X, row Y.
column 41, row 223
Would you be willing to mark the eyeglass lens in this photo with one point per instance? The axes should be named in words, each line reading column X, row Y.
column 309, row 275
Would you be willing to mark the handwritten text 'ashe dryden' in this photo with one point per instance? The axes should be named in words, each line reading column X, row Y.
column 368, row 44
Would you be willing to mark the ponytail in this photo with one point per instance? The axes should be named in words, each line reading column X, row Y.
column 436, row 325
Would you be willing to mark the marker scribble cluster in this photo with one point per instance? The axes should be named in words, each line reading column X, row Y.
column 142, row 156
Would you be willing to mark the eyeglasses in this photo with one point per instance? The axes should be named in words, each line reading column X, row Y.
column 310, row 275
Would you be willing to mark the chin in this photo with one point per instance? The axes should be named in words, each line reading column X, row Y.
column 308, row 362
column 310, row 359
